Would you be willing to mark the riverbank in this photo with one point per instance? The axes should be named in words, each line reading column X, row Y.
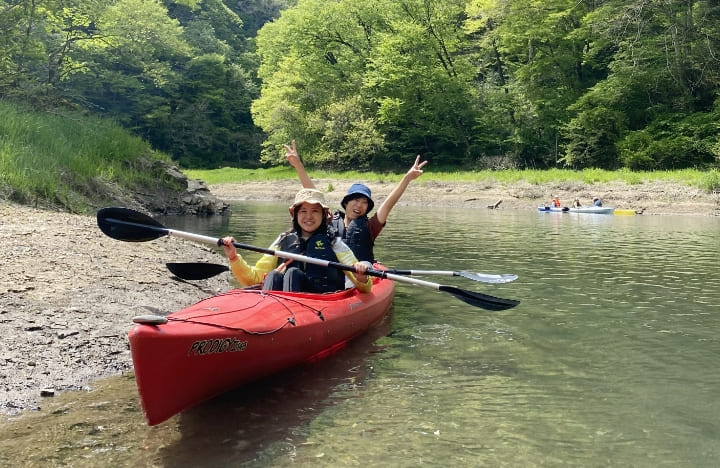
column 67, row 297
column 68, row 292
column 652, row 198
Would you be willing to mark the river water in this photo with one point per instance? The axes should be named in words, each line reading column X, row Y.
column 611, row 359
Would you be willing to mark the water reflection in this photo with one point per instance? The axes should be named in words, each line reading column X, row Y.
column 265, row 420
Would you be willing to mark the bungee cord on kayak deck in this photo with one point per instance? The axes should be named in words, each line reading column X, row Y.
column 290, row 321
column 262, row 294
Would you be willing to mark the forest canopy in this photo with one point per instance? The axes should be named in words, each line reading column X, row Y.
column 368, row 84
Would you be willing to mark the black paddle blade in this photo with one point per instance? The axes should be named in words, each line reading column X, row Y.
column 196, row 271
column 129, row 225
column 480, row 300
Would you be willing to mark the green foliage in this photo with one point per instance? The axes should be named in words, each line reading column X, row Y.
column 673, row 142
column 141, row 63
column 354, row 86
column 591, row 137
column 543, row 83
column 64, row 159
column 254, row 14
column 367, row 84
column 344, row 130
column 711, row 181
column 661, row 153
column 634, row 151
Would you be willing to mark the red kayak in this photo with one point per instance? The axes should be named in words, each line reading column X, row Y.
column 227, row 340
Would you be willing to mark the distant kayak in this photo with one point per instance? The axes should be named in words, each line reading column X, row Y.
column 553, row 209
column 582, row 209
column 593, row 209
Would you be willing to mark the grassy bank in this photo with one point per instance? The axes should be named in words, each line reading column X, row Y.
column 705, row 180
column 67, row 160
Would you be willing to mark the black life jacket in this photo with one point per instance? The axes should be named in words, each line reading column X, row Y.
column 356, row 236
column 319, row 245
column 324, row 279
column 291, row 242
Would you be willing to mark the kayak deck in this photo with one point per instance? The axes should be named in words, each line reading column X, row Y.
column 242, row 335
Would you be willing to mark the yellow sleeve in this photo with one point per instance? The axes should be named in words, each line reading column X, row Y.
column 346, row 256
column 249, row 276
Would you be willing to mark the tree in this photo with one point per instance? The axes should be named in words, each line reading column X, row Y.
column 135, row 61
column 396, row 65
column 39, row 39
column 662, row 72
column 534, row 51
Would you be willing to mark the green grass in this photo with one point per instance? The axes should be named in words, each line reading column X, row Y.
column 64, row 158
column 227, row 175
column 705, row 180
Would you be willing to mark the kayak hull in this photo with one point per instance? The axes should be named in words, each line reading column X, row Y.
column 228, row 340
column 553, row 209
column 593, row 210
column 582, row 209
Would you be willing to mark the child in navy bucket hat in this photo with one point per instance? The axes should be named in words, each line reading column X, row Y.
column 358, row 190
column 354, row 226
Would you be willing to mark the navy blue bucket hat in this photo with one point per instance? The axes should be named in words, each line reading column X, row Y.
column 356, row 191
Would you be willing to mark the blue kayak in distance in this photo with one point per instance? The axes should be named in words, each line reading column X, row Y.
column 593, row 209
column 582, row 209
column 553, row 209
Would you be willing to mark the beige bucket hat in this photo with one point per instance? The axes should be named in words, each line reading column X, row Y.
column 311, row 196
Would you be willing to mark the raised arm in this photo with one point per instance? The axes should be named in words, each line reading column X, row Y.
column 415, row 171
column 291, row 155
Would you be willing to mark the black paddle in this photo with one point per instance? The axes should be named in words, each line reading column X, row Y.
column 196, row 271
column 201, row 270
column 132, row 226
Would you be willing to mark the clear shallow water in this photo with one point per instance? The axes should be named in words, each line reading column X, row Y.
column 611, row 359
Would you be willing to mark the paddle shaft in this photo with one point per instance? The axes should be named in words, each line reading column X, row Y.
column 202, row 270
column 276, row 253
column 481, row 277
column 132, row 226
column 425, row 272
column 303, row 258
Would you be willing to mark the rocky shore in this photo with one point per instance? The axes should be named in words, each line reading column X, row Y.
column 68, row 292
